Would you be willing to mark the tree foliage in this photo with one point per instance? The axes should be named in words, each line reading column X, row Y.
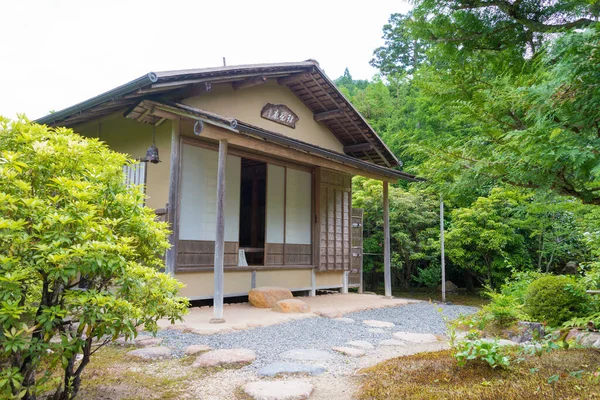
column 67, row 222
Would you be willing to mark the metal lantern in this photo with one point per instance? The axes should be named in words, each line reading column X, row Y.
column 152, row 152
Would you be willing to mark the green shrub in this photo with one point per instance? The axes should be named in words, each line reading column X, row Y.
column 490, row 352
column 430, row 277
column 504, row 310
column 67, row 216
column 516, row 286
column 556, row 299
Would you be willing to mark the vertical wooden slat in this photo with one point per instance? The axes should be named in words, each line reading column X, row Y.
column 220, row 236
column 174, row 195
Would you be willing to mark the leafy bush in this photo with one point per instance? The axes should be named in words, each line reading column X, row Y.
column 429, row 277
column 516, row 286
column 503, row 309
column 556, row 299
column 490, row 352
column 66, row 216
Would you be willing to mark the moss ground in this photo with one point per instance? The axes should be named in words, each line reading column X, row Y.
column 437, row 376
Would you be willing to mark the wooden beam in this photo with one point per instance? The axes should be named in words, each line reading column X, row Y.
column 286, row 80
column 219, row 274
column 328, row 114
column 353, row 148
column 173, row 206
column 387, row 270
column 249, row 82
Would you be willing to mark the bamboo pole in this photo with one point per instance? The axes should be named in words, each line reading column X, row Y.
column 443, row 261
column 387, row 259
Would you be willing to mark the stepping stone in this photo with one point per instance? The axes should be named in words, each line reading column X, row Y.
column 334, row 314
column 279, row 390
column 196, row 348
column 291, row 306
column 151, row 353
column 361, row 344
column 376, row 330
column 148, row 342
column 392, row 342
column 345, row 320
column 285, row 368
column 378, row 324
column 225, row 357
column 349, row 351
column 416, row 337
column 307, row 355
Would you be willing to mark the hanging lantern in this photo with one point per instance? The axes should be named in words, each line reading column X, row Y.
column 152, row 152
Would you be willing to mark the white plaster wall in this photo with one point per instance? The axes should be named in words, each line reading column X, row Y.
column 298, row 207
column 199, row 195
column 275, row 207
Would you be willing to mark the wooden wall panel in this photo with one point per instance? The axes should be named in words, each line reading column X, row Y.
column 201, row 254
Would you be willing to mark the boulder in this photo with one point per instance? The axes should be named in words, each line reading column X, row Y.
column 196, row 348
column 378, row 324
column 349, row 351
column 267, row 296
column 527, row 331
column 291, row 306
column 151, row 353
column 278, row 390
column 450, row 287
column 286, row 368
column 571, row 268
column 225, row 358
column 588, row 339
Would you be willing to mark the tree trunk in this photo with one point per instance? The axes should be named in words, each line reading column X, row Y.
column 469, row 281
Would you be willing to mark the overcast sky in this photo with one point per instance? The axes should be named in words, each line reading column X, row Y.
column 55, row 53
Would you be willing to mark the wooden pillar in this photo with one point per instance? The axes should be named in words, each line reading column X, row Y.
column 219, row 273
column 387, row 259
column 443, row 260
column 313, row 283
column 172, row 207
column 345, row 282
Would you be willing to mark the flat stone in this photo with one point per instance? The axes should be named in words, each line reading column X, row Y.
column 392, row 342
column 333, row 314
column 376, row 330
column 267, row 296
column 378, row 324
column 344, row 320
column 307, row 355
column 291, row 306
column 285, row 368
column 196, row 348
column 149, row 342
column 279, row 390
column 415, row 337
column 361, row 344
column 151, row 353
column 349, row 351
column 225, row 357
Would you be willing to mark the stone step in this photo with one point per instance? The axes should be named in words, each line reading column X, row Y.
column 307, row 355
column 361, row 344
column 279, row 390
column 349, row 351
column 225, row 358
column 151, row 353
column 286, row 368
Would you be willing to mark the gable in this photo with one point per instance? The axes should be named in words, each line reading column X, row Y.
column 246, row 105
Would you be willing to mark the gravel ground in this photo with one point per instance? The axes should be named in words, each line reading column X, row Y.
column 321, row 333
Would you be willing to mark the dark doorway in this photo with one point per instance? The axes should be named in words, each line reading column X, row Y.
column 253, row 195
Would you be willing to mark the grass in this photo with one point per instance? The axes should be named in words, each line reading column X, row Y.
column 437, row 376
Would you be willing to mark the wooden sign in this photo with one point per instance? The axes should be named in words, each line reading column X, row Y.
column 279, row 113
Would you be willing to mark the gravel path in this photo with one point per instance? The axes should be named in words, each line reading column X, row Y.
column 321, row 333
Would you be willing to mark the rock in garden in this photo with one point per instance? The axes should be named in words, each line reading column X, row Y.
column 267, row 296
column 378, row 324
column 349, row 351
column 291, row 306
column 225, row 358
column 415, row 337
column 285, row 368
column 361, row 344
column 334, row 314
column 151, row 353
column 147, row 342
column 345, row 320
column 588, row 339
column 278, row 390
column 450, row 287
column 196, row 348
column 392, row 342
column 307, row 355
column 527, row 331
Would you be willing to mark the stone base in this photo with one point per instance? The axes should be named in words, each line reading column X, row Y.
column 217, row 320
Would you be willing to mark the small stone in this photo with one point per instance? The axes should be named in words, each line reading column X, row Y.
column 415, row 337
column 291, row 306
column 267, row 296
column 361, row 344
column 279, row 390
column 225, row 358
column 147, row 342
column 376, row 330
column 450, row 287
column 349, row 351
column 587, row 339
column 196, row 348
column 573, row 333
column 284, row 368
column 151, row 353
column 344, row 320
column 392, row 342
column 333, row 314
column 378, row 324
column 307, row 355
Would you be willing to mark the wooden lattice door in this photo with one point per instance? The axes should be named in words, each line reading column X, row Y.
column 355, row 277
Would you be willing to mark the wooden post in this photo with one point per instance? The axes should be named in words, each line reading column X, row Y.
column 345, row 282
column 172, row 209
column 442, row 248
column 313, row 283
column 387, row 259
column 220, row 237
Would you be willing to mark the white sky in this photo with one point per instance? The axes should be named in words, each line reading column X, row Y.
column 55, row 53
